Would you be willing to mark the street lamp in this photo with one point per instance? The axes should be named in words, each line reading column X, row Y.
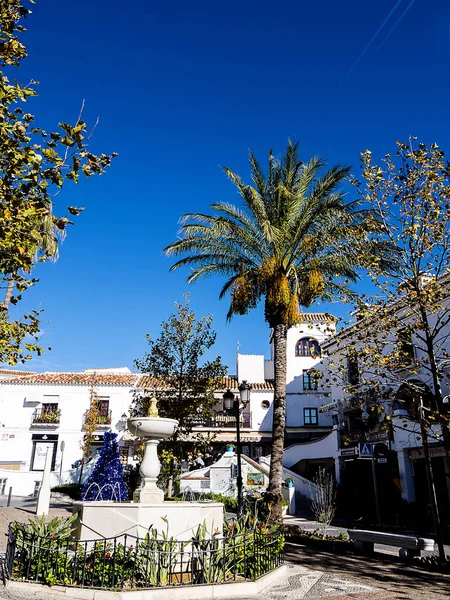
column 231, row 404
column 365, row 418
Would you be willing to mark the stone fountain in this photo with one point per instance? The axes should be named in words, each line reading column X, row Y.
column 152, row 429
column 103, row 519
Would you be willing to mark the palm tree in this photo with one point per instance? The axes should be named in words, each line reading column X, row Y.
column 294, row 240
column 46, row 243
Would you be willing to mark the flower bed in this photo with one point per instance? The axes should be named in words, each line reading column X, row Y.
column 329, row 543
column 36, row 554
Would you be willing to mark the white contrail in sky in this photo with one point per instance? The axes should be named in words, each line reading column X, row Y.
column 394, row 26
column 374, row 37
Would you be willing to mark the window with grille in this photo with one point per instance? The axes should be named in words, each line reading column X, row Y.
column 311, row 417
column 307, row 347
column 352, row 369
column 309, row 381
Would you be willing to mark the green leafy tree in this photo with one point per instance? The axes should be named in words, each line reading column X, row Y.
column 183, row 383
column 34, row 165
column 294, row 240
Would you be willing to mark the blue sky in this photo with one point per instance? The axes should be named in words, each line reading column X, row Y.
column 182, row 88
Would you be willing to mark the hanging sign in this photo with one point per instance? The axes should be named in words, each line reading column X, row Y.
column 365, row 451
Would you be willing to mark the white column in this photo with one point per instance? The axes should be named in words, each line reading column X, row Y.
column 406, row 475
column 337, row 469
column 43, row 503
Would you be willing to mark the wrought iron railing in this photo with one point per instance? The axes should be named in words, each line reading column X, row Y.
column 44, row 416
column 221, row 420
column 127, row 562
column 104, row 417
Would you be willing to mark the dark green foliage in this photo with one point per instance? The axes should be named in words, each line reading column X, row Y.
column 242, row 551
column 73, row 490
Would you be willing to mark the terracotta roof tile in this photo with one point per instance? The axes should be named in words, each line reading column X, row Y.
column 14, row 372
column 73, row 379
column 143, row 381
column 318, row 317
column 149, row 382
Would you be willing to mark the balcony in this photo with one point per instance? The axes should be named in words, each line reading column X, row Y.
column 104, row 419
column 221, row 421
column 43, row 417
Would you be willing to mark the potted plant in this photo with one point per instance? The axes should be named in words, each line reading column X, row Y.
column 290, row 482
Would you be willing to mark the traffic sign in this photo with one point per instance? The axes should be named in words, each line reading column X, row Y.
column 365, row 451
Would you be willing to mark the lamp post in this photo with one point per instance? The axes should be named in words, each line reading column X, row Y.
column 365, row 419
column 231, row 404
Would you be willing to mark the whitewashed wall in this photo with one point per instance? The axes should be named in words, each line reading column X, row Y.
column 17, row 403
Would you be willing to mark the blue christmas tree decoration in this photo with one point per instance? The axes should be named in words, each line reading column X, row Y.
column 106, row 481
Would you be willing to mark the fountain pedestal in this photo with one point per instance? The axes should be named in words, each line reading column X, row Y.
column 149, row 492
column 152, row 430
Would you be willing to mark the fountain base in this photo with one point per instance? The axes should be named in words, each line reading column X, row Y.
column 178, row 519
column 149, row 493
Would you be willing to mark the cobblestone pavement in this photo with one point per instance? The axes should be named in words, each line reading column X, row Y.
column 310, row 574
column 298, row 582
column 22, row 515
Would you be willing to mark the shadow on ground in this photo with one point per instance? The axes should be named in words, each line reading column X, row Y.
column 386, row 572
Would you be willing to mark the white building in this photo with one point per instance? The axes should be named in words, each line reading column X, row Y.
column 41, row 410
column 374, row 407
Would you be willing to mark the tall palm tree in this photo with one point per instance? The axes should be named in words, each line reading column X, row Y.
column 294, row 240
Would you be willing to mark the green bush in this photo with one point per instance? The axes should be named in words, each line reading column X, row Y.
column 73, row 490
column 230, row 503
column 45, row 553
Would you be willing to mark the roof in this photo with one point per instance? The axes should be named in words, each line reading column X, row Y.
column 14, row 372
column 144, row 381
column 317, row 317
column 149, row 382
column 73, row 379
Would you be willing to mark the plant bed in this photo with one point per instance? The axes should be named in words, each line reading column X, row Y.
column 330, row 543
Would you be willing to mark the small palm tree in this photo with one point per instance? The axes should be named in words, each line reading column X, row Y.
column 294, row 240
column 46, row 243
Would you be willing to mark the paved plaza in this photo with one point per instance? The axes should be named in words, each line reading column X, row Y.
column 309, row 573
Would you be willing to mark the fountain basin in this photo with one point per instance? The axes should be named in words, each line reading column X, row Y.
column 153, row 428
column 177, row 519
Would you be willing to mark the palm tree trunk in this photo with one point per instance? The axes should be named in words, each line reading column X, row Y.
column 279, row 423
column 8, row 294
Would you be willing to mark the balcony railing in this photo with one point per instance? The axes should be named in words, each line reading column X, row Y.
column 104, row 418
column 221, row 420
column 44, row 416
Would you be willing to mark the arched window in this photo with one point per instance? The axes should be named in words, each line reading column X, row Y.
column 307, row 347
column 411, row 394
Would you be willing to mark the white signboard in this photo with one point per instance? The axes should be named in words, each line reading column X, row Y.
column 40, row 452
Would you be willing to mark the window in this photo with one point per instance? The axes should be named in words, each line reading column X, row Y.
column 50, row 404
column 307, row 347
column 352, row 369
column 405, row 345
column 3, row 486
column 309, row 380
column 311, row 417
column 103, row 406
column 104, row 414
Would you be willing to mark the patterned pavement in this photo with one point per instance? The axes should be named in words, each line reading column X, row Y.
column 301, row 582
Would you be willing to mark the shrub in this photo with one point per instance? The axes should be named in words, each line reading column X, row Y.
column 73, row 490
column 242, row 550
